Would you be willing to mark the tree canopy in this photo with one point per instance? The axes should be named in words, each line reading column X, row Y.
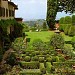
column 54, row 6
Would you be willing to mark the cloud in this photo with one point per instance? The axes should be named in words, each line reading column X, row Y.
column 31, row 8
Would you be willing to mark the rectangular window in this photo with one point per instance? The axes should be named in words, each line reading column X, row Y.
column 9, row 13
column 3, row 12
column 12, row 13
column 0, row 11
column 6, row 12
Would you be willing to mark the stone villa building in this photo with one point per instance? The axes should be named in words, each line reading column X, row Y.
column 7, row 11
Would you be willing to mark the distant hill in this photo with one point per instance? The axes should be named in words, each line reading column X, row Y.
column 35, row 21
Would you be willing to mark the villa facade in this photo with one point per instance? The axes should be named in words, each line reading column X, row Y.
column 7, row 11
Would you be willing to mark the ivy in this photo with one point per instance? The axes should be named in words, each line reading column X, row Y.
column 5, row 23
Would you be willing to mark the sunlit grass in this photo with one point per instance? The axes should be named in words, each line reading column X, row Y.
column 66, row 38
column 45, row 36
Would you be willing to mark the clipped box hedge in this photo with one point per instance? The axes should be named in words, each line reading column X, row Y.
column 60, row 64
column 27, row 58
column 42, row 68
column 30, row 72
column 30, row 65
column 48, row 59
column 48, row 67
column 35, row 58
column 41, row 59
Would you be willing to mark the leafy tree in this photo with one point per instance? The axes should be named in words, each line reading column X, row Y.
column 25, row 27
column 51, row 12
column 54, row 6
column 44, row 25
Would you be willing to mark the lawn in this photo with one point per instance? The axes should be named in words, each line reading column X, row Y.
column 44, row 36
column 66, row 38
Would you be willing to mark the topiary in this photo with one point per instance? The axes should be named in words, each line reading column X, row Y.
column 73, row 42
column 48, row 59
column 38, row 44
column 71, row 31
column 35, row 58
column 57, row 41
column 68, row 20
column 41, row 59
column 27, row 59
column 33, row 53
column 42, row 68
column 37, row 52
column 67, row 29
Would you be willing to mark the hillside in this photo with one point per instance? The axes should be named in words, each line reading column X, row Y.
column 35, row 21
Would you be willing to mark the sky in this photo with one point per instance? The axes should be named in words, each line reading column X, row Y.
column 34, row 9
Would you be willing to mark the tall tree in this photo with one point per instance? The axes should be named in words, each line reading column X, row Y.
column 54, row 6
column 51, row 12
column 44, row 25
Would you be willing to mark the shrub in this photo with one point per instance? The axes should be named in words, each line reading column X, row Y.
column 1, row 54
column 30, row 72
column 61, row 27
column 33, row 53
column 43, row 53
column 41, row 59
column 64, row 64
column 57, row 59
column 30, row 65
column 33, row 28
column 53, row 59
column 11, row 60
column 42, row 68
column 61, row 21
column 27, row 58
column 37, row 52
column 67, row 28
column 38, row 44
column 71, row 31
column 48, row 67
column 73, row 19
column 57, row 41
column 35, row 58
column 61, row 58
column 18, row 44
column 68, row 20
column 27, row 53
column 48, row 59
column 73, row 42
column 25, row 27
